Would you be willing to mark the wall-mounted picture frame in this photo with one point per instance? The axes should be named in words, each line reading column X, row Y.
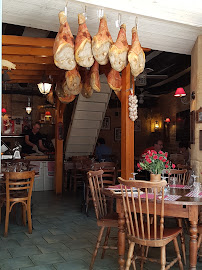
column 137, row 126
column 200, row 140
column 199, row 115
column 192, row 127
column 117, row 134
column 106, row 124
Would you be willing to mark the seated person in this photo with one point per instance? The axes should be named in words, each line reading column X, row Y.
column 183, row 149
column 157, row 146
column 33, row 140
column 102, row 150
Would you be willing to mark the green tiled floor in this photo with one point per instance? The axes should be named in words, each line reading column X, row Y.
column 62, row 238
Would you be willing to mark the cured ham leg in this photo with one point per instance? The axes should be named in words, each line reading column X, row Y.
column 136, row 56
column 63, row 48
column 118, row 51
column 63, row 97
column 73, row 81
column 114, row 80
column 83, row 46
column 87, row 90
column 95, row 77
column 102, row 42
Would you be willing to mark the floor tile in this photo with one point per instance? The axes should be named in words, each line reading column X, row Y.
column 4, row 254
column 57, row 238
column 49, row 258
column 49, row 248
column 70, row 265
column 15, row 263
column 24, row 251
column 39, row 267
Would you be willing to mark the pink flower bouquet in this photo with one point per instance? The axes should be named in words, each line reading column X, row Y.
column 155, row 162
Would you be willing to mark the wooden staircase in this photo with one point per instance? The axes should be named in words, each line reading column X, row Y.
column 86, row 121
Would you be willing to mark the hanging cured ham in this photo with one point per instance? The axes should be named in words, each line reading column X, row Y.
column 95, row 77
column 118, row 51
column 136, row 56
column 87, row 90
column 50, row 97
column 83, row 46
column 73, row 81
column 63, row 48
column 63, row 97
column 102, row 42
column 114, row 80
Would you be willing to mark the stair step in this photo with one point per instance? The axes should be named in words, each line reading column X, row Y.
column 79, row 148
column 79, row 132
column 86, row 124
column 84, row 140
column 88, row 115
column 96, row 97
column 91, row 106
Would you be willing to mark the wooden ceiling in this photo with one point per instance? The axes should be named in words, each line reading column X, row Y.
column 33, row 58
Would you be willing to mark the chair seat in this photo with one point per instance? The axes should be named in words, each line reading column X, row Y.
column 168, row 235
column 110, row 220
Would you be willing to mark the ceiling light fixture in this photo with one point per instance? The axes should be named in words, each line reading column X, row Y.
column 45, row 85
column 28, row 108
column 181, row 93
column 167, row 120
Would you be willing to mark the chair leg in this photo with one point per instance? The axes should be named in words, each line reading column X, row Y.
column 163, row 258
column 24, row 214
column 178, row 253
column 29, row 218
column 6, row 220
column 142, row 261
column 96, row 247
column 130, row 255
column 199, row 241
column 182, row 238
column 106, row 242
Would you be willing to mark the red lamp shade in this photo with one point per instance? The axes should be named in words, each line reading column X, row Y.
column 47, row 114
column 3, row 110
column 167, row 120
column 180, row 92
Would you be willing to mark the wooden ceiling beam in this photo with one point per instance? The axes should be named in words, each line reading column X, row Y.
column 28, row 77
column 27, row 41
column 22, row 50
column 35, row 72
column 23, row 81
column 21, row 66
column 28, row 59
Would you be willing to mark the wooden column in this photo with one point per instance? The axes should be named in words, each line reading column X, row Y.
column 59, row 110
column 127, row 128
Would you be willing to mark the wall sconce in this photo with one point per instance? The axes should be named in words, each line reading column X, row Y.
column 181, row 93
column 156, row 126
column 48, row 116
column 3, row 111
column 167, row 120
column 28, row 108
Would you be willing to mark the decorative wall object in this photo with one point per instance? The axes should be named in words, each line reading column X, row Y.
column 200, row 140
column 192, row 127
column 117, row 134
column 106, row 123
column 199, row 115
column 132, row 102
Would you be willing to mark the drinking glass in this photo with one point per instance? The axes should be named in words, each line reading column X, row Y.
column 134, row 174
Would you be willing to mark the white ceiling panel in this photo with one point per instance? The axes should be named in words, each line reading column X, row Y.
column 162, row 25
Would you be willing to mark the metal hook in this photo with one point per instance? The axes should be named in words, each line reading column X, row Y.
column 136, row 21
column 66, row 7
column 118, row 22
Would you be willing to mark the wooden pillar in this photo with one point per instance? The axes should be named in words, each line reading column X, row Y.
column 127, row 128
column 59, row 110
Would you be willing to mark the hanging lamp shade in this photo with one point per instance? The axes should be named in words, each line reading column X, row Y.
column 3, row 110
column 180, row 92
column 28, row 109
column 167, row 120
column 48, row 114
column 44, row 88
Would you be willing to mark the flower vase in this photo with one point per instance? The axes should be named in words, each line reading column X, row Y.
column 155, row 177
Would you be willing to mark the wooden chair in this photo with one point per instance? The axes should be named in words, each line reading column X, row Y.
column 180, row 175
column 108, row 178
column 18, row 190
column 104, row 220
column 186, row 167
column 139, row 230
column 199, row 239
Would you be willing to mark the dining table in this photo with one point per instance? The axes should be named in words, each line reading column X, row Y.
column 180, row 202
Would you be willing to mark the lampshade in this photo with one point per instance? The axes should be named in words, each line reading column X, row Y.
column 167, row 120
column 3, row 110
column 48, row 114
column 28, row 109
column 180, row 92
column 44, row 88
column 156, row 125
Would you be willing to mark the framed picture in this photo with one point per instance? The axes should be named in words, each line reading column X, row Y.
column 200, row 140
column 117, row 134
column 199, row 115
column 137, row 125
column 192, row 127
column 106, row 123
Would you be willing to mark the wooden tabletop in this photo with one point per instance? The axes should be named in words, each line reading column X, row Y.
column 173, row 191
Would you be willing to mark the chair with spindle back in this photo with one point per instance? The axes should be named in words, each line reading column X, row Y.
column 108, row 178
column 140, row 230
column 188, row 173
column 180, row 176
column 19, row 187
column 104, row 220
